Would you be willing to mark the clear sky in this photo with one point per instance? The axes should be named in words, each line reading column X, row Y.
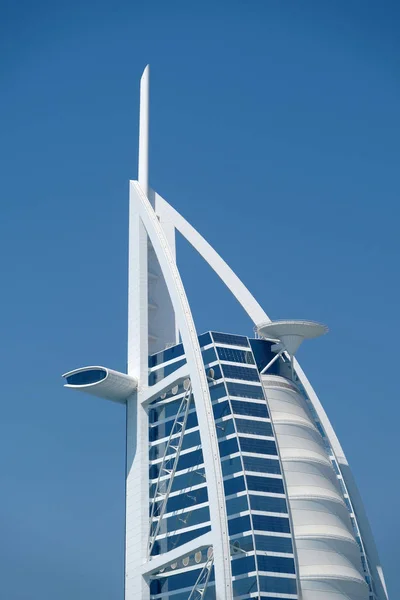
column 275, row 131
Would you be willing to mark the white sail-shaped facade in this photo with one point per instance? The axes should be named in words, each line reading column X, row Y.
column 236, row 484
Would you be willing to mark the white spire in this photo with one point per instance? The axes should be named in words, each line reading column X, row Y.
column 143, row 167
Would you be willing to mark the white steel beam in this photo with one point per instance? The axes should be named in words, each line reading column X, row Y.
column 162, row 561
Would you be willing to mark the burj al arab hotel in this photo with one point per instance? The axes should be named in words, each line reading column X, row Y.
column 236, row 484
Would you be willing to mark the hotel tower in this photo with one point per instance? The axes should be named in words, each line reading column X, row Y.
column 236, row 484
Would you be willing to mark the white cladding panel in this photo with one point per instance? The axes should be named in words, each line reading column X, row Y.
column 328, row 556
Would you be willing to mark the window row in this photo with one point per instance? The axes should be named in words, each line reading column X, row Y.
column 182, row 520
column 175, row 582
column 253, row 464
column 174, row 541
column 264, row 543
column 165, row 355
column 156, row 376
column 244, row 390
column 184, row 500
column 260, row 503
column 263, row 355
column 166, row 410
column 221, row 409
column 240, row 407
column 260, row 523
column 190, row 440
column 270, row 485
column 234, row 355
column 251, row 445
column 185, row 461
column 195, row 476
column 157, row 432
column 230, row 339
column 278, row 585
column 272, row 564
column 244, row 373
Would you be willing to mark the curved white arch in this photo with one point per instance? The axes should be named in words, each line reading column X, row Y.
column 245, row 299
column 221, row 548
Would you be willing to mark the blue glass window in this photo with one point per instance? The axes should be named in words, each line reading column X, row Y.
column 165, row 355
column 349, row 507
column 234, row 372
column 275, row 564
column 267, row 523
column 244, row 543
column 265, row 484
column 233, row 355
column 335, row 467
column 230, row 339
column 234, row 485
column 185, row 461
column 254, row 427
column 217, row 390
column 186, row 519
column 320, row 428
column 242, row 390
column 244, row 407
column 228, row 447
column 87, row 377
column 217, row 374
column 268, row 543
column 237, row 505
column 209, row 355
column 261, row 465
column 221, row 409
column 268, row 504
column 231, row 465
column 258, row 446
column 158, row 375
column 184, row 500
column 189, row 441
column 194, row 477
column 205, row 339
column 163, row 430
column 263, row 355
column 225, row 428
column 247, row 585
column 173, row 541
column 164, row 411
column 174, row 582
column 239, row 524
column 281, row 585
column 243, row 565
column 177, row 594
column 190, row 460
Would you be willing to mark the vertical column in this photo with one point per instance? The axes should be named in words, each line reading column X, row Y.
column 143, row 167
column 136, row 426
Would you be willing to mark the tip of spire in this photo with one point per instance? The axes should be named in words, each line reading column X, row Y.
column 146, row 71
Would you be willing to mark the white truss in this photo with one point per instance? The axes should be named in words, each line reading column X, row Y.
column 200, row 587
column 168, row 467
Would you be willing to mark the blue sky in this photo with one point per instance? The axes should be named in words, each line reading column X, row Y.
column 275, row 131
